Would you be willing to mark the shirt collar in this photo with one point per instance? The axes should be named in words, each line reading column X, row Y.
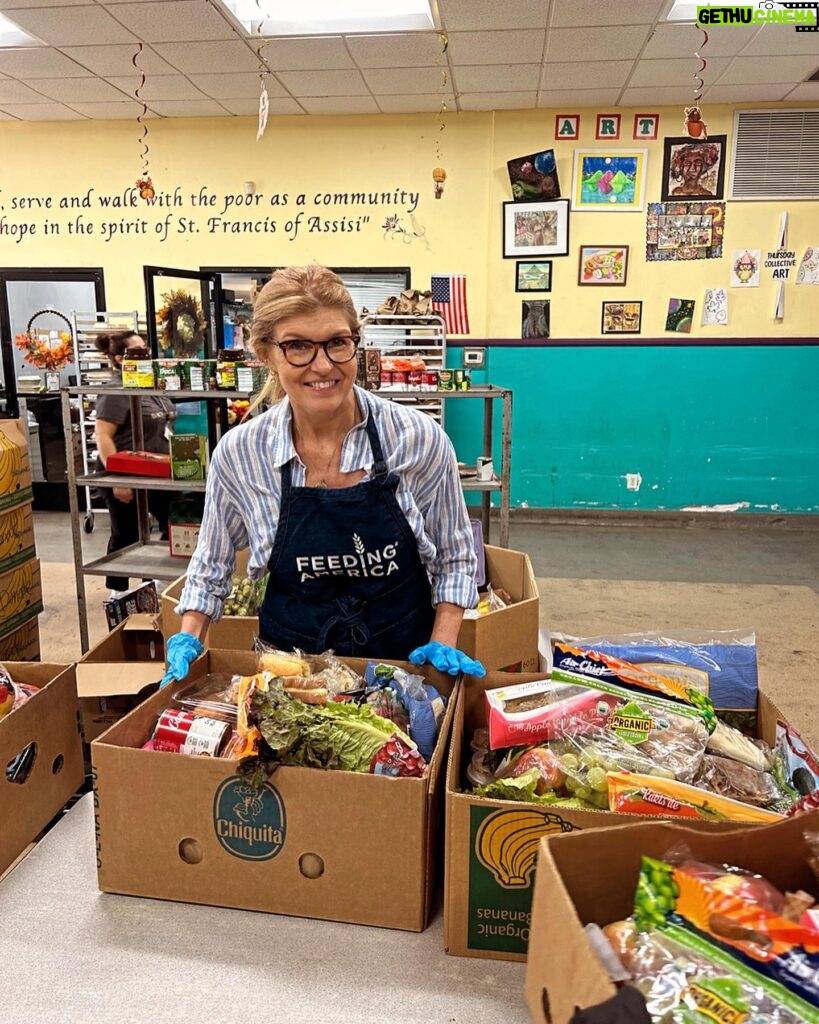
column 281, row 425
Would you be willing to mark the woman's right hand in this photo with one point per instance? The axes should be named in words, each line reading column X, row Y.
column 123, row 494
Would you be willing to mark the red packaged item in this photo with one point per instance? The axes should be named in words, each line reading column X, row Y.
column 180, row 732
column 529, row 713
column 396, row 758
column 139, row 464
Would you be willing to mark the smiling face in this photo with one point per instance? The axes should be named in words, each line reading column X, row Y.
column 324, row 388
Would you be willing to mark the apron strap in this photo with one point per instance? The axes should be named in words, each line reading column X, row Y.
column 379, row 462
column 350, row 613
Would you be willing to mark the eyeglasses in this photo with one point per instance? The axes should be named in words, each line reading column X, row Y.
column 302, row 352
column 138, row 352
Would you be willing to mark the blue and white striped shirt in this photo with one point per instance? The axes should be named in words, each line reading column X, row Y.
column 244, row 492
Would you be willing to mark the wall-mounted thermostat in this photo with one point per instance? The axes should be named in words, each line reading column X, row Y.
column 474, row 358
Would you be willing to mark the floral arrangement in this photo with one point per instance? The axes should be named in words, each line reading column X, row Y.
column 183, row 324
column 43, row 353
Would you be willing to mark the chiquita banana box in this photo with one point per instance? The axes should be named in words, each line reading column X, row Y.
column 15, row 473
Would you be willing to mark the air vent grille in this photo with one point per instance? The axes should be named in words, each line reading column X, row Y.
column 775, row 155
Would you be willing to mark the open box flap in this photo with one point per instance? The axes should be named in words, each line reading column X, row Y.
column 120, row 679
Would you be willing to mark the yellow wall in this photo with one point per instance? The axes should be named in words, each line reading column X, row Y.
column 461, row 232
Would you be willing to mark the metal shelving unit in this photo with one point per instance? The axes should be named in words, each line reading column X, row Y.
column 400, row 334
column 146, row 558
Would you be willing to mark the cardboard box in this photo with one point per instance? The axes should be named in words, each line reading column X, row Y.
column 183, row 538
column 341, row 846
column 15, row 470
column 506, row 639
column 49, row 720
column 137, row 373
column 139, row 464
column 119, row 673
column 482, row 895
column 21, row 595
column 189, row 456
column 142, row 599
column 16, row 536
column 23, row 644
column 591, row 877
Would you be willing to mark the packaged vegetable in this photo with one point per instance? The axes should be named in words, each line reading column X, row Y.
column 246, row 596
column 739, row 782
column 633, row 793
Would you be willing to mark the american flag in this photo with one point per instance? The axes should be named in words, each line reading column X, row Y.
column 449, row 299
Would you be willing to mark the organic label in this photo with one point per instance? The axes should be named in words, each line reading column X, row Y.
column 713, row 1004
column 631, row 723
column 249, row 822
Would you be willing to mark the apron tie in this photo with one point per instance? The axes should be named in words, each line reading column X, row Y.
column 350, row 613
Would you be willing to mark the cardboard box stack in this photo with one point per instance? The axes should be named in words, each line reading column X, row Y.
column 21, row 598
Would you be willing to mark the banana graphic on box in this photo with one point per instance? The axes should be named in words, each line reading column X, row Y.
column 11, row 464
column 507, row 843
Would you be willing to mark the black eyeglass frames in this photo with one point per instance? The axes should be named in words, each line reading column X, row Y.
column 302, row 351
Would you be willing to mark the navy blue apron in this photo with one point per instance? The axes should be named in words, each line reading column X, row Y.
column 345, row 573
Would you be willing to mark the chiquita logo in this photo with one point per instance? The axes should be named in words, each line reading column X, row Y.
column 250, row 822
column 508, row 841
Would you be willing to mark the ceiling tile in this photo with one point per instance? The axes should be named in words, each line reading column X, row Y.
column 782, row 39
column 414, row 49
column 16, row 92
column 78, row 90
column 340, row 105
column 402, row 81
column 616, row 43
column 10, row 5
column 649, row 98
column 676, row 72
column 498, row 101
column 159, row 87
column 685, row 40
column 251, row 107
column 497, row 47
column 321, row 53
column 805, row 91
column 324, row 83
column 420, row 104
column 188, row 108
column 569, row 100
column 42, row 112
column 229, row 56
column 460, row 14
column 116, row 111
column 497, row 77
column 108, row 61
column 190, row 20
column 772, row 69
column 577, row 75
column 236, row 87
column 39, row 63
column 72, row 26
column 593, row 12
column 6, row 117
column 755, row 92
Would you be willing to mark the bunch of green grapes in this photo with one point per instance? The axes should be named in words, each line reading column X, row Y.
column 656, row 895
column 587, row 767
column 244, row 597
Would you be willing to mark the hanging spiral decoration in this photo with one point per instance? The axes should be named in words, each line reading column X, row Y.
column 143, row 183
column 443, row 84
column 703, row 65
column 264, row 99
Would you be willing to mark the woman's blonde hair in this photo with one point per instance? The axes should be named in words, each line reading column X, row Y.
column 289, row 292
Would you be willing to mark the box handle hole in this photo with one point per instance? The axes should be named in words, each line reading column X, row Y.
column 19, row 767
column 190, row 851
column 57, row 765
column 311, row 865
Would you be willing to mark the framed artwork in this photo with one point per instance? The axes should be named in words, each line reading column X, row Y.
column 622, row 318
column 609, row 179
column 567, row 126
column 534, row 177
column 684, row 231
column 608, row 127
column 680, row 315
column 536, row 229
column 603, row 264
column 533, row 277
column 646, row 126
column 534, row 321
column 693, row 168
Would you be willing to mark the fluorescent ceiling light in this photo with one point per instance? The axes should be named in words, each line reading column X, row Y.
column 685, row 10
column 13, row 35
column 326, row 17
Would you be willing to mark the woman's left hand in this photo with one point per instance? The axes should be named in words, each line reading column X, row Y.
column 446, row 659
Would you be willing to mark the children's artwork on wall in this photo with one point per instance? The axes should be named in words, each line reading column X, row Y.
column 534, row 177
column 808, row 272
column 622, row 317
column 608, row 127
column 680, row 315
column 646, row 126
column 608, row 179
column 694, row 168
column 745, row 268
column 567, row 126
column 684, row 231
column 535, row 319
column 715, row 308
column 603, row 264
column 536, row 229
column 533, row 277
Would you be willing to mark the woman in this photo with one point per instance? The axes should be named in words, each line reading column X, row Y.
column 113, row 433
column 352, row 503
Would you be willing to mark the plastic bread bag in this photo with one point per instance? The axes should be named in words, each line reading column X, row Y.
column 739, row 782
column 425, row 705
column 214, row 695
column 312, row 678
column 634, row 793
column 726, row 741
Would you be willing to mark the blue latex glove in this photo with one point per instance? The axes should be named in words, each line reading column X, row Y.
column 446, row 659
column 180, row 651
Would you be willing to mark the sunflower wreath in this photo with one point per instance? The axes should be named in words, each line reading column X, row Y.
column 43, row 353
column 183, row 324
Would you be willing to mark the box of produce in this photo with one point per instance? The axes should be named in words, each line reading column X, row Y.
column 285, row 808
column 22, row 644
column 16, row 536
column 21, row 595
column 15, row 471
column 189, row 456
column 663, row 923
column 582, row 752
column 40, row 750
column 119, row 672
column 503, row 634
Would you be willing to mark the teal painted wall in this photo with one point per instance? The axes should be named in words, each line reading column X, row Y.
column 703, row 426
